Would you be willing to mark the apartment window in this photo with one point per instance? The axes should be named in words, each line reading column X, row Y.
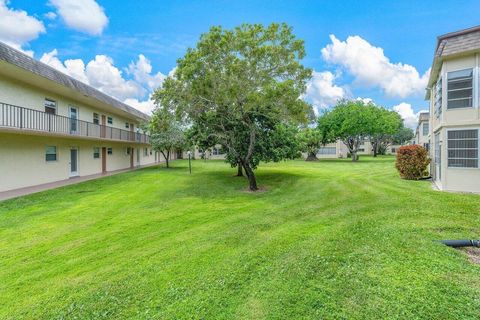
column 110, row 120
column 50, row 106
column 361, row 150
column 96, row 118
column 51, row 153
column 217, row 151
column 327, row 150
column 438, row 98
column 393, row 150
column 96, row 153
column 128, row 150
column 109, row 151
column 127, row 125
column 462, row 147
column 460, row 89
column 425, row 128
column 426, row 145
column 145, row 152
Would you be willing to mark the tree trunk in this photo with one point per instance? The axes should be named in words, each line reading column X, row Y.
column 252, row 181
column 165, row 156
column 311, row 157
column 354, row 156
column 375, row 149
column 239, row 170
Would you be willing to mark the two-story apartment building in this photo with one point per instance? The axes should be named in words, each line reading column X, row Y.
column 422, row 132
column 54, row 127
column 453, row 92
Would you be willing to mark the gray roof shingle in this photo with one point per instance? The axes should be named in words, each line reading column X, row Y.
column 451, row 44
column 25, row 62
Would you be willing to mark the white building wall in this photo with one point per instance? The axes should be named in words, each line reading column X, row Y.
column 448, row 178
column 23, row 163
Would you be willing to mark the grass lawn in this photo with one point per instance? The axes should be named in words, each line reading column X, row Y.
column 333, row 240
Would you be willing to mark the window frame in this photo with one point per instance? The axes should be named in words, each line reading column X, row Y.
column 109, row 120
column 55, row 106
column 96, row 154
column 320, row 153
column 427, row 125
column 438, row 103
column 96, row 118
column 447, row 158
column 47, row 154
column 472, row 97
column 109, row 151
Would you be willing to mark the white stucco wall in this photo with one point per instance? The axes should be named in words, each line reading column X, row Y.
column 23, row 164
column 455, row 179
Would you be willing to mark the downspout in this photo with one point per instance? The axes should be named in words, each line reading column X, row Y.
column 461, row 243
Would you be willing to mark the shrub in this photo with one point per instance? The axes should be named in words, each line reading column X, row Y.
column 412, row 162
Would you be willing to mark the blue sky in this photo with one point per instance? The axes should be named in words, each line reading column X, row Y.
column 351, row 65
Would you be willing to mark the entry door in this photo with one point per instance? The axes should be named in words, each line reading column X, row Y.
column 104, row 159
column 73, row 162
column 73, row 120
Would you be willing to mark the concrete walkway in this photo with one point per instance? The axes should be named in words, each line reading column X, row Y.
column 52, row 185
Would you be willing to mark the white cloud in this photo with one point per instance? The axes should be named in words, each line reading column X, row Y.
column 321, row 90
column 142, row 73
column 146, row 106
column 74, row 67
column 365, row 100
column 18, row 28
column 102, row 74
column 410, row 118
column 370, row 67
column 50, row 15
column 82, row 15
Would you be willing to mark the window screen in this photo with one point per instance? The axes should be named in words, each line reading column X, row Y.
column 51, row 153
column 462, row 147
column 460, row 89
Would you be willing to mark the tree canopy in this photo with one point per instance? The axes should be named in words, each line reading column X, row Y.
column 242, row 87
column 310, row 141
column 166, row 134
column 354, row 121
column 350, row 121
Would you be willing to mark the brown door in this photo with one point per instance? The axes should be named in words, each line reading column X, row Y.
column 103, row 129
column 132, row 150
column 104, row 159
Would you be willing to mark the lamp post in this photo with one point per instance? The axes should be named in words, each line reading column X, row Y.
column 190, row 161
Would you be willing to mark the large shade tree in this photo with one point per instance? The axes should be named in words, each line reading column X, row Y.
column 385, row 125
column 243, row 86
column 403, row 135
column 166, row 134
column 351, row 121
column 310, row 141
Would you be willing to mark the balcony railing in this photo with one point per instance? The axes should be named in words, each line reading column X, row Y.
column 28, row 119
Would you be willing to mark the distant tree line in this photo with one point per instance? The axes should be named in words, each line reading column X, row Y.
column 352, row 122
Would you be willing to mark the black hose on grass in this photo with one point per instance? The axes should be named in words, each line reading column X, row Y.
column 461, row 243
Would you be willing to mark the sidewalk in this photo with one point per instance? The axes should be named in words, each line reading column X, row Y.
column 52, row 185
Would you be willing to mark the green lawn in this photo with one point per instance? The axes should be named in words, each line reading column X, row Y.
column 333, row 240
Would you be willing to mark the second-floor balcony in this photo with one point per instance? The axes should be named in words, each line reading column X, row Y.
column 14, row 117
